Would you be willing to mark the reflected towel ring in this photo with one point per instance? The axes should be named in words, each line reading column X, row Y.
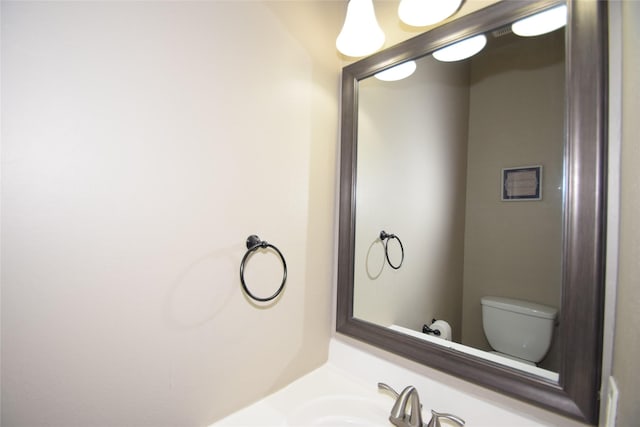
column 254, row 243
column 385, row 237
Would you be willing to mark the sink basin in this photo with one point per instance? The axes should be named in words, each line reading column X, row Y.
column 339, row 411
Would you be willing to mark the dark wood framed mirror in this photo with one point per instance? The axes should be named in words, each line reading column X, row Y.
column 575, row 391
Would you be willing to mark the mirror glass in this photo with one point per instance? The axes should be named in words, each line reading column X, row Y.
column 462, row 164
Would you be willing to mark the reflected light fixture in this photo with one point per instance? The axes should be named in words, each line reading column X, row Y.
column 419, row 13
column 360, row 35
column 541, row 23
column 462, row 49
column 399, row 72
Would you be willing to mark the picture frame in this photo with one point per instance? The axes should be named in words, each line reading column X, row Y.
column 521, row 183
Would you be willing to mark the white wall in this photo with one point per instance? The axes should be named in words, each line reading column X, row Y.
column 142, row 143
column 627, row 343
column 411, row 182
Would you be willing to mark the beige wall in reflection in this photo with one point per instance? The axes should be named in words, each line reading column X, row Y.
column 513, row 248
column 412, row 142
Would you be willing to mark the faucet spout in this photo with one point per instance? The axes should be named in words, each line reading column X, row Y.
column 406, row 412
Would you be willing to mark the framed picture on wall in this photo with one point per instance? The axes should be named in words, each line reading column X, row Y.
column 521, row 183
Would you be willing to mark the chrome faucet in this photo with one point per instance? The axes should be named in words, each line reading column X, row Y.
column 407, row 411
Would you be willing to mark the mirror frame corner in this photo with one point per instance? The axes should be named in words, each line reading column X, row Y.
column 576, row 395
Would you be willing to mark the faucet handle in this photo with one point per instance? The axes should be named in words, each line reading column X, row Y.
column 435, row 419
column 383, row 386
column 395, row 394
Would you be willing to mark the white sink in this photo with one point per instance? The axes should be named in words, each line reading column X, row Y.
column 344, row 392
column 339, row 411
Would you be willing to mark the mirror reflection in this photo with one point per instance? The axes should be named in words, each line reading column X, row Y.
column 462, row 162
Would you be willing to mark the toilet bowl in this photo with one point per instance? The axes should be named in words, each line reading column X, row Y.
column 518, row 329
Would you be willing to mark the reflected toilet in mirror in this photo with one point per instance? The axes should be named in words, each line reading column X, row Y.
column 518, row 330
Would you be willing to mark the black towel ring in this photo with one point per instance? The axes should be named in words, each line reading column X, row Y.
column 254, row 243
column 385, row 237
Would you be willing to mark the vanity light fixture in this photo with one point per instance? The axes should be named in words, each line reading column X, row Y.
column 419, row 13
column 360, row 35
column 462, row 49
column 399, row 72
column 541, row 23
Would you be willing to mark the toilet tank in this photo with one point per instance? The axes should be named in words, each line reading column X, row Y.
column 518, row 328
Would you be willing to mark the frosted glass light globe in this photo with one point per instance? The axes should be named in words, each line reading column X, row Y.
column 360, row 35
column 462, row 49
column 419, row 13
column 399, row 72
column 541, row 23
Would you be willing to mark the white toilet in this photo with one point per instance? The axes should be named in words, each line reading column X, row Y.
column 517, row 329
